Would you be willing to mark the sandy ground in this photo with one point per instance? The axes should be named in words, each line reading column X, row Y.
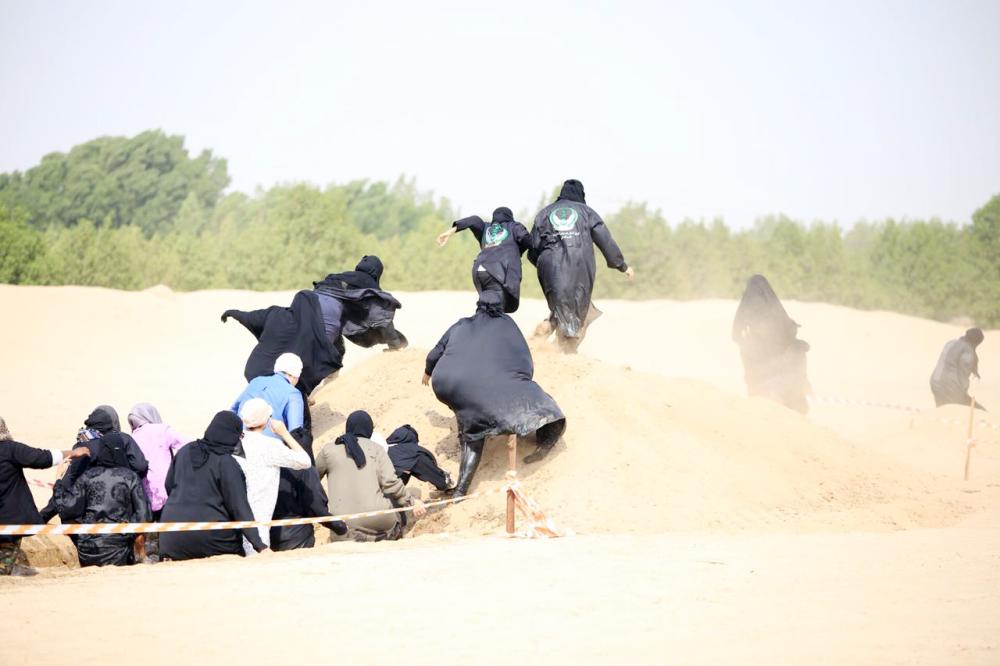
column 709, row 527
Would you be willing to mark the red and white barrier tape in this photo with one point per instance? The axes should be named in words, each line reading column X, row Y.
column 539, row 525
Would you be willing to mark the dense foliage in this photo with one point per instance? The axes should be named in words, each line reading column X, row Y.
column 132, row 213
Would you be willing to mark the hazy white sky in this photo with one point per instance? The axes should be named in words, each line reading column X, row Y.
column 822, row 110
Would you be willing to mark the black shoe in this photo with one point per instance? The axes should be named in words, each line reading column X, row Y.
column 539, row 453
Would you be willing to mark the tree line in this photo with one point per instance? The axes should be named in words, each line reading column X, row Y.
column 130, row 213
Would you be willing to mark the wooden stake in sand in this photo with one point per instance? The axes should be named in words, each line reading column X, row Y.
column 969, row 443
column 512, row 468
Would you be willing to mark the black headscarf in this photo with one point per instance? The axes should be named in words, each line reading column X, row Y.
column 371, row 265
column 366, row 275
column 404, row 446
column 221, row 438
column 974, row 336
column 763, row 313
column 502, row 215
column 359, row 424
column 572, row 190
column 491, row 303
column 103, row 419
column 111, row 452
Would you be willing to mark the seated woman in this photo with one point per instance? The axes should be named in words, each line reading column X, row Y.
column 482, row 370
column 102, row 421
column 410, row 459
column 108, row 491
column 262, row 460
column 159, row 443
column 360, row 478
column 774, row 359
column 205, row 484
column 498, row 264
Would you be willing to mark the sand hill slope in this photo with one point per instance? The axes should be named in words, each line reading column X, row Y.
column 669, row 444
column 646, row 454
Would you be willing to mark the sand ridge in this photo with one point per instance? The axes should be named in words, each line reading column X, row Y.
column 712, row 528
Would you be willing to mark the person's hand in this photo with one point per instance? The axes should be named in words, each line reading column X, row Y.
column 279, row 428
column 419, row 509
column 426, row 381
column 442, row 239
column 78, row 452
column 630, row 273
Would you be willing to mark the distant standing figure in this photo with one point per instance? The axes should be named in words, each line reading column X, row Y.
column 498, row 264
column 958, row 362
column 563, row 238
column 774, row 359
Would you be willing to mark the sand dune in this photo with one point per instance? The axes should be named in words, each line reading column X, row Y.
column 663, row 455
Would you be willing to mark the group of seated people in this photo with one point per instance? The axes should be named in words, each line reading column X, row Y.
column 246, row 466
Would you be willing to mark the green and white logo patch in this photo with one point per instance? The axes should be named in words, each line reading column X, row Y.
column 495, row 234
column 563, row 218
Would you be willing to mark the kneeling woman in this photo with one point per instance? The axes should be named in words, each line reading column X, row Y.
column 106, row 492
column 482, row 370
column 206, row 484
column 360, row 478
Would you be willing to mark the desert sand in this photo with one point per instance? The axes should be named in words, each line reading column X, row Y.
column 708, row 527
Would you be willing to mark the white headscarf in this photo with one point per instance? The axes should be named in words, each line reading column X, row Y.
column 255, row 412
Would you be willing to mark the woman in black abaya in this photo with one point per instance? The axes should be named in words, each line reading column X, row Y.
column 774, row 359
column 482, row 370
column 206, row 484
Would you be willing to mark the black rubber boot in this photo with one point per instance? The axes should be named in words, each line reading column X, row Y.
column 539, row 453
column 471, row 453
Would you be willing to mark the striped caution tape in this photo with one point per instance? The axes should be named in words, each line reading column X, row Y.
column 41, row 484
column 827, row 400
column 141, row 528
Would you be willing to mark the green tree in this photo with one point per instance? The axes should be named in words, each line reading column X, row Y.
column 140, row 181
column 20, row 247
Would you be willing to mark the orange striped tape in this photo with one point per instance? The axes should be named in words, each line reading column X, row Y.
column 141, row 528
